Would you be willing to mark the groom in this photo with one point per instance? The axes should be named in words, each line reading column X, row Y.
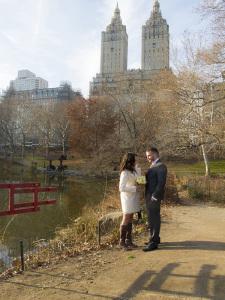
column 154, row 193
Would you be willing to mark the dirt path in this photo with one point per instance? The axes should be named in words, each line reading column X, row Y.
column 190, row 264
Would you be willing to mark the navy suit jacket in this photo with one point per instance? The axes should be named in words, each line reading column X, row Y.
column 156, row 181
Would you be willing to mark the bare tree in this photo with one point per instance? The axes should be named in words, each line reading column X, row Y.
column 62, row 125
column 201, row 95
column 8, row 126
column 92, row 122
column 43, row 122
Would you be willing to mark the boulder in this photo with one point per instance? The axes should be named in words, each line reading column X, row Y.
column 110, row 221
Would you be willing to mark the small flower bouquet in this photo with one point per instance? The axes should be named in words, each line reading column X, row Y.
column 141, row 180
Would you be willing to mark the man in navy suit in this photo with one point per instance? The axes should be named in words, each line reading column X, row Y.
column 154, row 194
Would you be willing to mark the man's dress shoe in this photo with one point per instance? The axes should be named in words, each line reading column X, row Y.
column 151, row 247
column 149, row 242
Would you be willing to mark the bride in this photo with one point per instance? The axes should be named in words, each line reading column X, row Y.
column 129, row 196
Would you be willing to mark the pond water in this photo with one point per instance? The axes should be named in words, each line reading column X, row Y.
column 73, row 195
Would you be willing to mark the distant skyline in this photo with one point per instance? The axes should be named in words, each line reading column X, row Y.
column 60, row 40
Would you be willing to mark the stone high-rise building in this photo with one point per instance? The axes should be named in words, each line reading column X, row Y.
column 27, row 81
column 114, row 49
column 114, row 77
column 155, row 41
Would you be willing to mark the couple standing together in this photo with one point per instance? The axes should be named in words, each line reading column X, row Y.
column 129, row 194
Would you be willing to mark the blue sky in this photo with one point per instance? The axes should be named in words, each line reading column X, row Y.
column 60, row 39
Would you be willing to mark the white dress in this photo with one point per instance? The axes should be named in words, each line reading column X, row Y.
column 130, row 198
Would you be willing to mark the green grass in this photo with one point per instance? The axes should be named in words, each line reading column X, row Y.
column 217, row 167
column 37, row 159
column 28, row 159
column 41, row 161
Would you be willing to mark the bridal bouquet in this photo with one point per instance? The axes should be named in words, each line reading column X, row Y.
column 141, row 180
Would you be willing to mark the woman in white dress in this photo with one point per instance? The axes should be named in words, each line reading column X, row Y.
column 129, row 196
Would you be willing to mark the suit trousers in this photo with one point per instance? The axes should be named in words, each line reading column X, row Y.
column 154, row 218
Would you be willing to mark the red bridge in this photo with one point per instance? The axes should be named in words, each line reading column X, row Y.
column 25, row 188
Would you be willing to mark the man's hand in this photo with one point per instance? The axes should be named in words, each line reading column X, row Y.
column 154, row 199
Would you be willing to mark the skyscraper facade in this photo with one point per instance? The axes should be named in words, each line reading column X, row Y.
column 114, row 49
column 114, row 53
column 27, row 81
column 155, row 41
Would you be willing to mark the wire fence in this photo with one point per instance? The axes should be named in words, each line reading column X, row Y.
column 10, row 257
column 15, row 257
column 23, row 255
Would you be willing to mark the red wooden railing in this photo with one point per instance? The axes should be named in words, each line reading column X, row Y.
column 25, row 188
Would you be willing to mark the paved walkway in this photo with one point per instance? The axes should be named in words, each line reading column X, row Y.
column 190, row 264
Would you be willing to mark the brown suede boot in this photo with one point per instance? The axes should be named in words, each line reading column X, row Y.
column 128, row 240
column 123, row 233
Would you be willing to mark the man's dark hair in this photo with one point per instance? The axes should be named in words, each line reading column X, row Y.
column 154, row 150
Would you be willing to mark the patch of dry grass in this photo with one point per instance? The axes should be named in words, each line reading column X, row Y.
column 80, row 235
column 207, row 189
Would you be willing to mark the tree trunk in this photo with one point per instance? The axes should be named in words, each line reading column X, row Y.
column 207, row 169
column 23, row 149
column 47, row 151
column 22, row 152
column 63, row 147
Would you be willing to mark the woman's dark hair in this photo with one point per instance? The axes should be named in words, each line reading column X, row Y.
column 128, row 162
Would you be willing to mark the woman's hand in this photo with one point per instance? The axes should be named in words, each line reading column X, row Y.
column 139, row 188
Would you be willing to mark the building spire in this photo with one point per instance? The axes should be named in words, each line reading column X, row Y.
column 156, row 6
column 117, row 10
column 117, row 18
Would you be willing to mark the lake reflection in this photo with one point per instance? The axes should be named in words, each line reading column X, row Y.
column 74, row 194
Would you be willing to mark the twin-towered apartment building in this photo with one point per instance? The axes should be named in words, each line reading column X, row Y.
column 114, row 76
column 114, row 52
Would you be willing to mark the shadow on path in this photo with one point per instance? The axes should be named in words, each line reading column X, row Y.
column 193, row 245
column 204, row 284
column 60, row 289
